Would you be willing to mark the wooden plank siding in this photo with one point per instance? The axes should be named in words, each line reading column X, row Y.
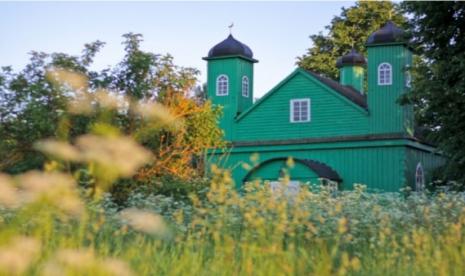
column 331, row 114
column 235, row 68
column 386, row 115
column 380, row 167
column 429, row 160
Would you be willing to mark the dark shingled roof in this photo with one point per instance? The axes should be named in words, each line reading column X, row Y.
column 230, row 47
column 351, row 58
column 389, row 33
column 347, row 91
column 321, row 169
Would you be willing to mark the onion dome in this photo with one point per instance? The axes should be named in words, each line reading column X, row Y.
column 352, row 58
column 231, row 47
column 389, row 33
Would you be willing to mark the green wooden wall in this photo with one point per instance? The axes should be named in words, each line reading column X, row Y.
column 353, row 76
column 380, row 165
column 429, row 160
column 386, row 115
column 331, row 113
column 234, row 103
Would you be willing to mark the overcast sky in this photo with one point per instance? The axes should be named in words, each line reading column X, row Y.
column 277, row 32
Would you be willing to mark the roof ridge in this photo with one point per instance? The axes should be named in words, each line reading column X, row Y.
column 345, row 90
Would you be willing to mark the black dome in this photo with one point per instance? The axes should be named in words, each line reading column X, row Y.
column 230, row 47
column 352, row 58
column 389, row 33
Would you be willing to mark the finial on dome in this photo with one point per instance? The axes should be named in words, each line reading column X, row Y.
column 231, row 47
column 230, row 27
column 389, row 33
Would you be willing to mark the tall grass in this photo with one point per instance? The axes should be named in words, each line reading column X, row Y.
column 257, row 232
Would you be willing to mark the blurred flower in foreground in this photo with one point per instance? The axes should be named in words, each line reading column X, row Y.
column 56, row 188
column 108, row 100
column 74, row 80
column 144, row 221
column 120, row 154
column 159, row 113
column 58, row 149
column 17, row 256
column 84, row 262
column 8, row 193
column 113, row 153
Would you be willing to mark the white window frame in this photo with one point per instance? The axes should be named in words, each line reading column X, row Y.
column 290, row 188
column 419, row 179
column 291, row 114
column 245, row 84
column 218, row 88
column 383, row 72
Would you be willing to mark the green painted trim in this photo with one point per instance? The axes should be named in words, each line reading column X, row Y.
column 407, row 45
column 424, row 147
column 352, row 138
column 319, row 146
column 232, row 56
column 386, row 44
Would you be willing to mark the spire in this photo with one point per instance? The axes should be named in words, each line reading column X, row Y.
column 230, row 27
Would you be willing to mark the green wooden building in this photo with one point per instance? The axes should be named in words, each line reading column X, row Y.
column 345, row 131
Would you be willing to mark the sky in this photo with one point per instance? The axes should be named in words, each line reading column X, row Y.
column 277, row 32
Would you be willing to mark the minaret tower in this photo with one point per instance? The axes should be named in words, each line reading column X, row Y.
column 389, row 60
column 230, row 80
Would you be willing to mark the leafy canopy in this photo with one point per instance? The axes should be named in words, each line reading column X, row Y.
column 438, row 90
column 34, row 107
column 348, row 30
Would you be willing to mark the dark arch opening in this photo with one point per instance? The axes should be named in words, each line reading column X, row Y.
column 319, row 168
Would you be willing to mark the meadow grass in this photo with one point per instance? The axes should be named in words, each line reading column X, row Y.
column 256, row 232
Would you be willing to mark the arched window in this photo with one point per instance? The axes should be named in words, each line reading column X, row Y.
column 245, row 86
column 384, row 74
column 222, row 85
column 419, row 178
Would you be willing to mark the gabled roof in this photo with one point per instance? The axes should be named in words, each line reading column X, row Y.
column 349, row 93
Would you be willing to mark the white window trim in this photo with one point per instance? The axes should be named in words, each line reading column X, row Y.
column 218, row 86
column 390, row 74
column 246, row 95
column 291, row 114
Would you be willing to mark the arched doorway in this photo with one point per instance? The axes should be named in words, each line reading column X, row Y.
column 301, row 171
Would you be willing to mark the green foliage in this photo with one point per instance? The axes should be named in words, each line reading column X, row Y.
column 31, row 107
column 34, row 106
column 439, row 77
column 124, row 191
column 348, row 30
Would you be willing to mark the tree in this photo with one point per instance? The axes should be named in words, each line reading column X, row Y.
column 438, row 87
column 31, row 107
column 34, row 106
column 348, row 30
